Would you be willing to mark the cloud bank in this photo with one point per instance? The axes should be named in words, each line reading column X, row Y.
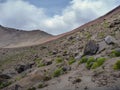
column 23, row 15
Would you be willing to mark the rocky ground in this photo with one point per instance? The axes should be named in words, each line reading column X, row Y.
column 87, row 58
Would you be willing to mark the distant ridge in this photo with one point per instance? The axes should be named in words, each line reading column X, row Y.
column 10, row 37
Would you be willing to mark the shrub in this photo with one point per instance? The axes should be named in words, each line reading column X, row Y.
column 4, row 84
column 71, row 61
column 57, row 72
column 39, row 62
column 95, row 65
column 98, row 62
column 116, row 66
column 106, row 24
column 83, row 60
column 90, row 62
column 32, row 88
column 101, row 35
column 59, row 60
column 42, row 85
column 115, row 53
column 88, row 35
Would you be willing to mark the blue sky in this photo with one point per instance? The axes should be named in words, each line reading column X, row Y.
column 52, row 16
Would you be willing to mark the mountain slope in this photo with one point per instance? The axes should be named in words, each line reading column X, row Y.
column 83, row 59
column 10, row 37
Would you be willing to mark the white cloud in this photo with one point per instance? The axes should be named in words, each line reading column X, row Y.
column 23, row 15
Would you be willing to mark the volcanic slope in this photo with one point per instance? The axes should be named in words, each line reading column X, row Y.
column 87, row 58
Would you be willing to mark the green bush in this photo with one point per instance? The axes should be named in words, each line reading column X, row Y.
column 115, row 53
column 95, row 65
column 71, row 61
column 88, row 35
column 39, row 62
column 98, row 62
column 59, row 60
column 116, row 66
column 57, row 72
column 90, row 62
column 83, row 60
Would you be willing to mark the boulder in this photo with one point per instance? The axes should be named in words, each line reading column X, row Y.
column 91, row 48
column 21, row 67
column 110, row 40
column 4, row 77
column 48, row 63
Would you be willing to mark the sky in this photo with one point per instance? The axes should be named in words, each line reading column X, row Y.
column 52, row 16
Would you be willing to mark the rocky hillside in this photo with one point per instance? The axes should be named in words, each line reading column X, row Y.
column 87, row 58
column 10, row 37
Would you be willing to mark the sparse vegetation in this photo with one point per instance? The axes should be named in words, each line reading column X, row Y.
column 4, row 84
column 42, row 85
column 50, row 53
column 83, row 60
column 32, row 88
column 57, row 72
column 116, row 66
column 95, row 65
column 98, row 62
column 88, row 35
column 90, row 62
column 101, row 34
column 106, row 24
column 71, row 61
column 21, row 76
column 115, row 53
column 39, row 62
column 59, row 60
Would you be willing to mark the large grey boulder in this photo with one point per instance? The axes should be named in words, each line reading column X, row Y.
column 110, row 40
column 91, row 48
